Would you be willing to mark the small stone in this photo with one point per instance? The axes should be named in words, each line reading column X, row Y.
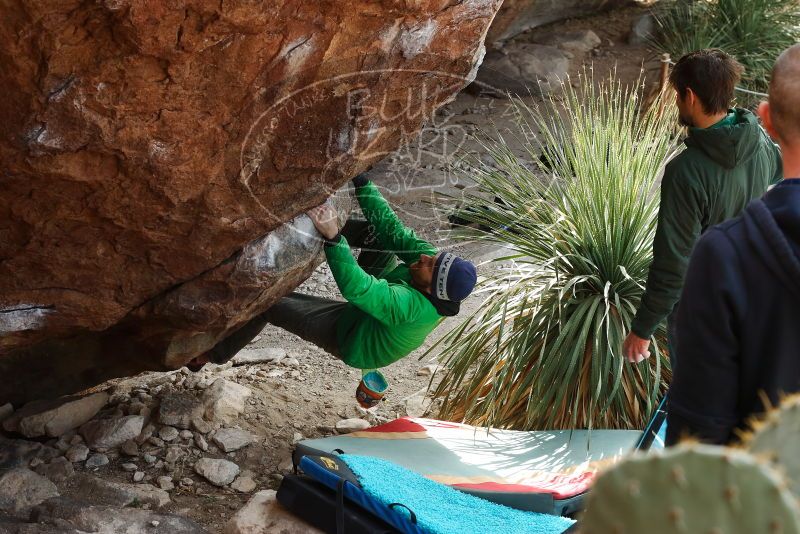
column 295, row 374
column 158, row 442
column 77, row 453
column 186, row 481
column 286, row 466
column 201, row 425
column 130, row 448
column 218, row 472
column 178, row 409
column 149, row 458
column 297, row 438
column 138, row 476
column 110, row 433
column 58, row 470
column 186, row 434
column 244, row 484
column 154, row 523
column 62, row 444
column 345, row 426
column 232, row 439
column 291, row 362
column 165, row 483
column 174, row 454
column 201, row 442
column 276, row 373
column 76, row 439
column 429, row 370
column 96, row 460
column 224, row 400
column 249, row 356
column 129, row 467
column 138, row 408
column 147, row 433
column 21, row 489
column 168, row 433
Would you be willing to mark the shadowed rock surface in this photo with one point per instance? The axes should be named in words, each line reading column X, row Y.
column 516, row 16
column 152, row 151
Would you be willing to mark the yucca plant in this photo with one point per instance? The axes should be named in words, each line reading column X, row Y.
column 754, row 31
column 544, row 350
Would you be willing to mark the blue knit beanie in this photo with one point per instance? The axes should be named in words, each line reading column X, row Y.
column 453, row 278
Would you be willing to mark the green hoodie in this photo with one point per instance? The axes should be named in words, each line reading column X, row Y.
column 722, row 169
column 386, row 317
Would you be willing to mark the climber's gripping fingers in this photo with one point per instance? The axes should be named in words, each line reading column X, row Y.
column 325, row 220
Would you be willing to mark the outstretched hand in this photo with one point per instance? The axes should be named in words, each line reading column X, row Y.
column 325, row 220
column 635, row 349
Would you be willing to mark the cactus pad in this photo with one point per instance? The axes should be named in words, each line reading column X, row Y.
column 776, row 438
column 692, row 489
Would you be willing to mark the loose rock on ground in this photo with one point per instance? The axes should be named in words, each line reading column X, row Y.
column 218, row 472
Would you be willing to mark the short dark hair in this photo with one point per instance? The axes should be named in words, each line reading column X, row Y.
column 711, row 74
column 784, row 95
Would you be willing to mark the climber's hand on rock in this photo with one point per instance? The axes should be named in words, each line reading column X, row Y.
column 325, row 220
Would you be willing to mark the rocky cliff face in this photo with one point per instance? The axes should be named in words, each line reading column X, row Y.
column 152, row 152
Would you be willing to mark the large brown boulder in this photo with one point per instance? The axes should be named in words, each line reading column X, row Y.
column 152, row 150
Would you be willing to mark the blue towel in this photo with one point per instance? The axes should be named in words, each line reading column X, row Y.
column 443, row 510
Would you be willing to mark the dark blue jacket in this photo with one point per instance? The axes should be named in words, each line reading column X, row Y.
column 739, row 320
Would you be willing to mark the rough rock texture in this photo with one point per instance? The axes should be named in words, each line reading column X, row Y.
column 22, row 488
column 516, row 16
column 232, row 439
column 345, row 426
column 523, row 69
column 55, row 417
column 224, row 400
column 111, row 493
column 150, row 152
column 263, row 515
column 18, row 452
column 218, row 472
column 67, row 514
column 178, row 409
column 109, row 433
column 248, row 356
column 57, row 470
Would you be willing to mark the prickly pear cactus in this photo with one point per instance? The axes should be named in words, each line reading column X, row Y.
column 692, row 489
column 776, row 438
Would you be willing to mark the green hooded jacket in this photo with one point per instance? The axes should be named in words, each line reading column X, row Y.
column 386, row 317
column 722, row 169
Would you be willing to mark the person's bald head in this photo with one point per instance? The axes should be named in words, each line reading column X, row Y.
column 781, row 115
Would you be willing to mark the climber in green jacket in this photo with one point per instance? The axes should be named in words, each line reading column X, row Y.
column 390, row 307
column 729, row 160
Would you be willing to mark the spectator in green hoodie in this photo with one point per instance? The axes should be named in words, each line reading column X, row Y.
column 728, row 161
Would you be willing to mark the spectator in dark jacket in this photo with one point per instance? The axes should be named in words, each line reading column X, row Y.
column 738, row 327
